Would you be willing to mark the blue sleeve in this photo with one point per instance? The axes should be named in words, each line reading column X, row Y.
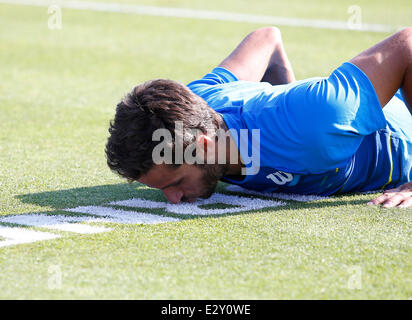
column 218, row 76
column 321, row 124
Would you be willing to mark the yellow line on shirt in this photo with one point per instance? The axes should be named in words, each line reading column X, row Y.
column 390, row 154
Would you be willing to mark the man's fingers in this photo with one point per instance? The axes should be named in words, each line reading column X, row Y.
column 400, row 196
column 380, row 199
column 394, row 200
column 406, row 203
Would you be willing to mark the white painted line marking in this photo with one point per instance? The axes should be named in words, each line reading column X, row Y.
column 122, row 216
column 204, row 15
column 283, row 196
column 21, row 235
column 57, row 222
column 78, row 228
column 63, row 222
column 240, row 203
column 139, row 203
column 371, row 191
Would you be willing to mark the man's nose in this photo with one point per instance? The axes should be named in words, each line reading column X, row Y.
column 174, row 196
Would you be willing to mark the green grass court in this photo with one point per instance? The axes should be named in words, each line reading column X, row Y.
column 58, row 91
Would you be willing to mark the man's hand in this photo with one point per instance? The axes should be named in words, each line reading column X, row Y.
column 400, row 197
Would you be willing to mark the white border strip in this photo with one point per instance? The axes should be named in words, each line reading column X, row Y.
column 204, row 15
column 238, row 204
column 282, row 196
column 57, row 222
column 121, row 216
column 14, row 236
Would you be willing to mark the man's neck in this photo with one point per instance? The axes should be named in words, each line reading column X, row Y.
column 233, row 169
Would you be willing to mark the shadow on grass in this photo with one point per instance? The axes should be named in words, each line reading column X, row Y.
column 100, row 195
column 86, row 196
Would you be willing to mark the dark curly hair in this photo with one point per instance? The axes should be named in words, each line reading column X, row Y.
column 153, row 105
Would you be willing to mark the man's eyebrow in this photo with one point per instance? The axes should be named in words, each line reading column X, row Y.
column 172, row 184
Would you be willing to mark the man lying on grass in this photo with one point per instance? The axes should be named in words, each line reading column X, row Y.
column 349, row 132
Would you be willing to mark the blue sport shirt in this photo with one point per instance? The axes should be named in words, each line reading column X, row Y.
column 317, row 136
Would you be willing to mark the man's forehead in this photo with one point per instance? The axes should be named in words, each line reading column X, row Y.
column 158, row 176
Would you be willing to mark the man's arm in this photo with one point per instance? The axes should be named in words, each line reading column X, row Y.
column 388, row 66
column 261, row 57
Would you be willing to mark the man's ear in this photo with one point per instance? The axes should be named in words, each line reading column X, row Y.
column 205, row 148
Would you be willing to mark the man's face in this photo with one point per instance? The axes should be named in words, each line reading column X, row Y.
column 185, row 183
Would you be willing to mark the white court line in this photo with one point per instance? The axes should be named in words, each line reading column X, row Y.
column 56, row 222
column 238, row 204
column 283, row 196
column 372, row 191
column 204, row 15
column 241, row 204
column 103, row 214
column 122, row 216
column 14, row 236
